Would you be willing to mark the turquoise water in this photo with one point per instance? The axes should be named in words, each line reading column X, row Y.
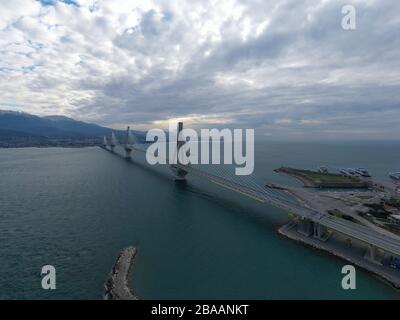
column 76, row 208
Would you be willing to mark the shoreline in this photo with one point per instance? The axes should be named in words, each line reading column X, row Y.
column 353, row 254
column 117, row 284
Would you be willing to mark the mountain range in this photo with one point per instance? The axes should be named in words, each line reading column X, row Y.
column 23, row 129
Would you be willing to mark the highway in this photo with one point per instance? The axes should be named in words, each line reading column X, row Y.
column 362, row 233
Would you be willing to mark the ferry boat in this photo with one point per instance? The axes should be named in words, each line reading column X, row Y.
column 351, row 172
column 363, row 172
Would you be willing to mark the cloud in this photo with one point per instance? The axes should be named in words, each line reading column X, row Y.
column 282, row 67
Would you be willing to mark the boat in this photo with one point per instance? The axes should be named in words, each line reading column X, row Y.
column 323, row 170
column 363, row 172
column 395, row 176
column 351, row 172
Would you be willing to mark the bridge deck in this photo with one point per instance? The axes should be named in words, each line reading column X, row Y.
column 362, row 233
column 347, row 228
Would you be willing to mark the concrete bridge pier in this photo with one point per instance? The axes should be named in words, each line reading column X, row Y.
column 180, row 174
column 320, row 232
column 128, row 152
column 305, row 227
column 372, row 255
column 309, row 228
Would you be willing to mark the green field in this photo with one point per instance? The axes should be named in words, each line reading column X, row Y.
column 324, row 180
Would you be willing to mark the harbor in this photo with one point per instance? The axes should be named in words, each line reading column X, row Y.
column 374, row 210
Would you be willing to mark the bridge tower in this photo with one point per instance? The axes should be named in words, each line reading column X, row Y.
column 180, row 174
column 114, row 142
column 105, row 142
column 128, row 144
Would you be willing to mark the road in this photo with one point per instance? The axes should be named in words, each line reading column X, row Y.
column 324, row 203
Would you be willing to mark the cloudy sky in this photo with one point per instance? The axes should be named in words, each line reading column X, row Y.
column 284, row 67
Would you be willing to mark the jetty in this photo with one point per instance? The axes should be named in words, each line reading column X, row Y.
column 117, row 284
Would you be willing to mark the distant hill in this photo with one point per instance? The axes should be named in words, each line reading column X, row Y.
column 23, row 129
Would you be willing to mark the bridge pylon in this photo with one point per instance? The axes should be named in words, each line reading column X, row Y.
column 180, row 174
column 105, row 143
column 114, row 142
column 313, row 229
column 128, row 144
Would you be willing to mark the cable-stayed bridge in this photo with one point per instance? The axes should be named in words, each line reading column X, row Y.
column 311, row 222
